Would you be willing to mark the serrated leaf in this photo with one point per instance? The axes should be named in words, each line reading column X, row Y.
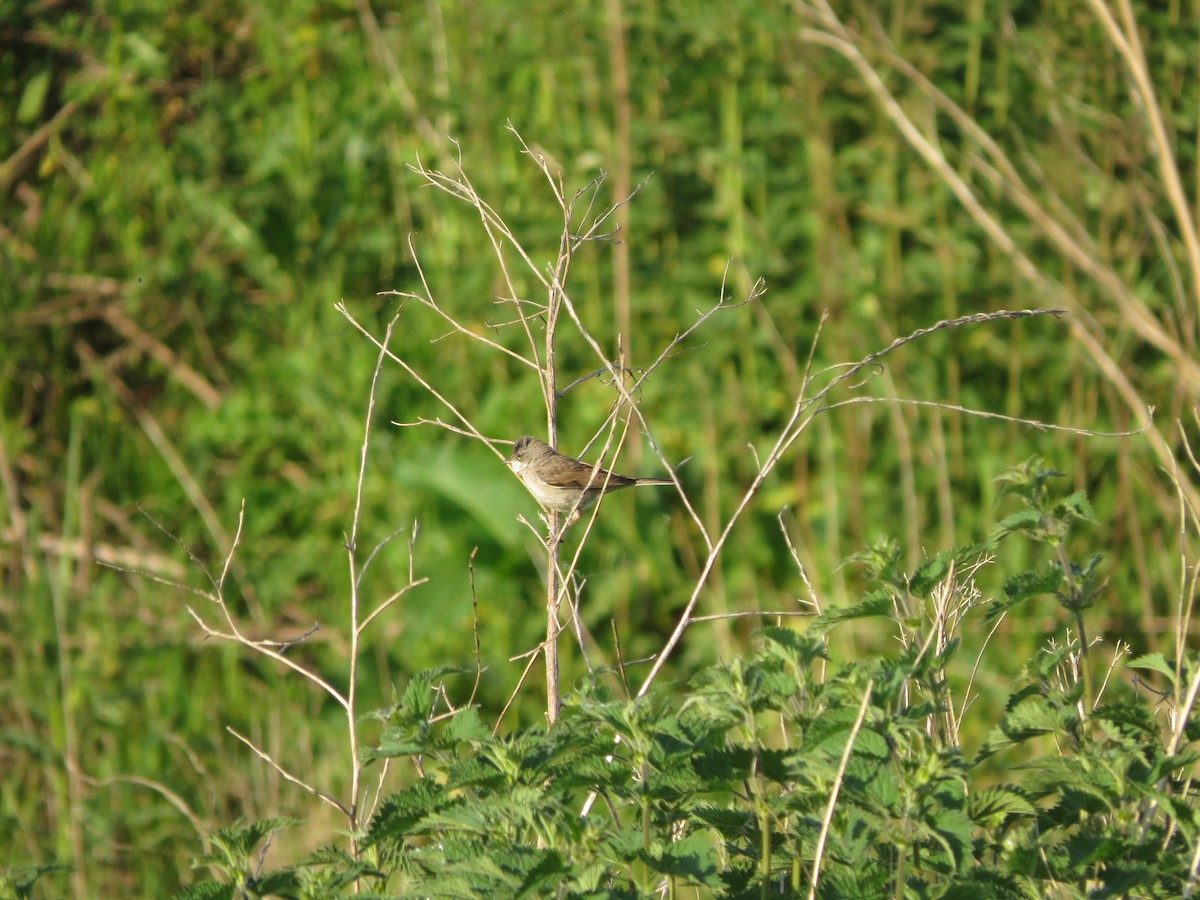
column 283, row 883
column 800, row 648
column 872, row 782
column 985, row 885
column 240, row 840
column 1077, row 506
column 467, row 726
column 420, row 694
column 545, row 876
column 694, row 858
column 1133, row 719
column 731, row 823
column 877, row 603
column 955, row 832
column 1033, row 584
column 998, row 802
column 882, row 560
column 1024, row 520
column 398, row 741
column 1156, row 662
column 400, row 814
column 206, row 890
column 1038, row 717
column 933, row 571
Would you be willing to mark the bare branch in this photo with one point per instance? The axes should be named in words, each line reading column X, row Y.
column 265, row 757
column 265, row 649
column 397, row 595
column 471, row 429
column 984, row 414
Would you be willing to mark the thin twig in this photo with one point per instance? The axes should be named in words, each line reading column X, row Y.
column 827, row 819
column 984, row 414
column 263, row 648
column 764, row 613
column 516, row 690
column 616, row 633
column 474, row 627
column 397, row 595
column 263, row 755
column 434, row 392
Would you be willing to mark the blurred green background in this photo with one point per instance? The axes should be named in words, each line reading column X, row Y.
column 189, row 189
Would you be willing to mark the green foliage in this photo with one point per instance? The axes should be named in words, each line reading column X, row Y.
column 1046, row 520
column 240, row 860
column 728, row 793
column 187, row 190
column 18, row 884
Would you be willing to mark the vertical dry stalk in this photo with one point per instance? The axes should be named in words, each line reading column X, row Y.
column 827, row 819
column 581, row 223
column 541, row 352
column 1042, row 208
column 1185, row 697
column 350, row 808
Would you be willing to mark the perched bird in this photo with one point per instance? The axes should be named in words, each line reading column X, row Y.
column 563, row 483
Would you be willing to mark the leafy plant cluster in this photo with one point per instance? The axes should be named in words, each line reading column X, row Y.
column 191, row 190
column 785, row 773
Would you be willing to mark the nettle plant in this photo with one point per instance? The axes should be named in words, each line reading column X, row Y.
column 787, row 772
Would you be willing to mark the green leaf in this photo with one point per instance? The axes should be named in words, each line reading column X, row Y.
column 1032, row 584
column 206, row 890
column 400, row 814
column 1156, row 662
column 33, row 98
column 545, row 877
column 873, row 783
column 882, row 561
column 1026, row 520
column 1076, row 506
column 401, row 740
column 467, row 726
column 239, row 841
column 933, row 571
column 1132, row 719
column 1035, row 716
column 998, row 802
column 985, row 885
column 694, row 858
column 955, row 831
column 420, row 694
column 801, row 649
column 877, row 603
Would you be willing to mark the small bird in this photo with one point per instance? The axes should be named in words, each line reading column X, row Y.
column 565, row 484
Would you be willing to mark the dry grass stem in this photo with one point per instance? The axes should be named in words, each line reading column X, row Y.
column 1126, row 39
column 516, row 691
column 831, row 32
column 827, row 819
column 1036, row 424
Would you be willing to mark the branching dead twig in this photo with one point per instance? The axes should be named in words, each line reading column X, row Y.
column 276, row 650
column 540, row 354
column 299, row 782
column 803, row 411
